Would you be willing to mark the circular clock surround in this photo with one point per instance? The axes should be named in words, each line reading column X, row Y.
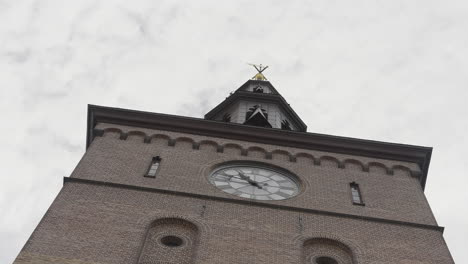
column 255, row 181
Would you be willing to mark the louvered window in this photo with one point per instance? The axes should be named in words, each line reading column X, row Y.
column 153, row 168
column 356, row 194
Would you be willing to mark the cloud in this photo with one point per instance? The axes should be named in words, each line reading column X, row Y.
column 391, row 71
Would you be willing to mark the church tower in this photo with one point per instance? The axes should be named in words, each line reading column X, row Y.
column 246, row 184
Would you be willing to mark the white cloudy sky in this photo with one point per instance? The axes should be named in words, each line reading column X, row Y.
column 385, row 70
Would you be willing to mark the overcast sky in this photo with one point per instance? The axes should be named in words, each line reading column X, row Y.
column 393, row 70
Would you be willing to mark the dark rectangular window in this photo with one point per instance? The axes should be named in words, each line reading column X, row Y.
column 356, row 194
column 153, row 168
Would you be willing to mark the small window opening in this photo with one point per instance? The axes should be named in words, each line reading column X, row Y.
column 226, row 117
column 172, row 241
column 258, row 89
column 285, row 125
column 356, row 194
column 325, row 260
column 153, row 168
column 254, row 110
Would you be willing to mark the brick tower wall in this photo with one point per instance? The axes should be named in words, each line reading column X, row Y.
column 107, row 208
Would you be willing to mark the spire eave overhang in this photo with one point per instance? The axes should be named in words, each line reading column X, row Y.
column 238, row 95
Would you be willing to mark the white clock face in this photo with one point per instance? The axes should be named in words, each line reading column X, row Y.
column 254, row 182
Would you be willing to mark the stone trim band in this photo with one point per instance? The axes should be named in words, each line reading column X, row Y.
column 253, row 203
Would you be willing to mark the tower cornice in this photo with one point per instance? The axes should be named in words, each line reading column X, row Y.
column 345, row 145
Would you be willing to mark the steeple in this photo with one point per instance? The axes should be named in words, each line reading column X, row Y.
column 257, row 103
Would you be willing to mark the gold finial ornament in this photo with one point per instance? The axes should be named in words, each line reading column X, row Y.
column 260, row 68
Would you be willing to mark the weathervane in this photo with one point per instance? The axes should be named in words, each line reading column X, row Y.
column 260, row 68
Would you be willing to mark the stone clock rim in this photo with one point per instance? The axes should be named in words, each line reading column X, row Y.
column 249, row 163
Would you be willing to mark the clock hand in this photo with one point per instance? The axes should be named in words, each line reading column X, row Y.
column 231, row 176
column 247, row 178
column 242, row 176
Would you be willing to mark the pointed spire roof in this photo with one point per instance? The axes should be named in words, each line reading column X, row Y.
column 275, row 111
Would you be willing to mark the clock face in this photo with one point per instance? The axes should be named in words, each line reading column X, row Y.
column 254, row 182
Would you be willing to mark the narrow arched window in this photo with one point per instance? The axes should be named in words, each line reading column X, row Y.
column 356, row 194
column 154, row 167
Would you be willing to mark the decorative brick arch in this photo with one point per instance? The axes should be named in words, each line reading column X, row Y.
column 306, row 158
column 170, row 240
column 180, row 141
column 377, row 167
column 256, row 152
column 209, row 144
column 137, row 136
column 233, row 148
column 156, row 138
column 317, row 248
column 353, row 164
column 283, row 155
column 401, row 170
column 329, row 161
column 113, row 132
